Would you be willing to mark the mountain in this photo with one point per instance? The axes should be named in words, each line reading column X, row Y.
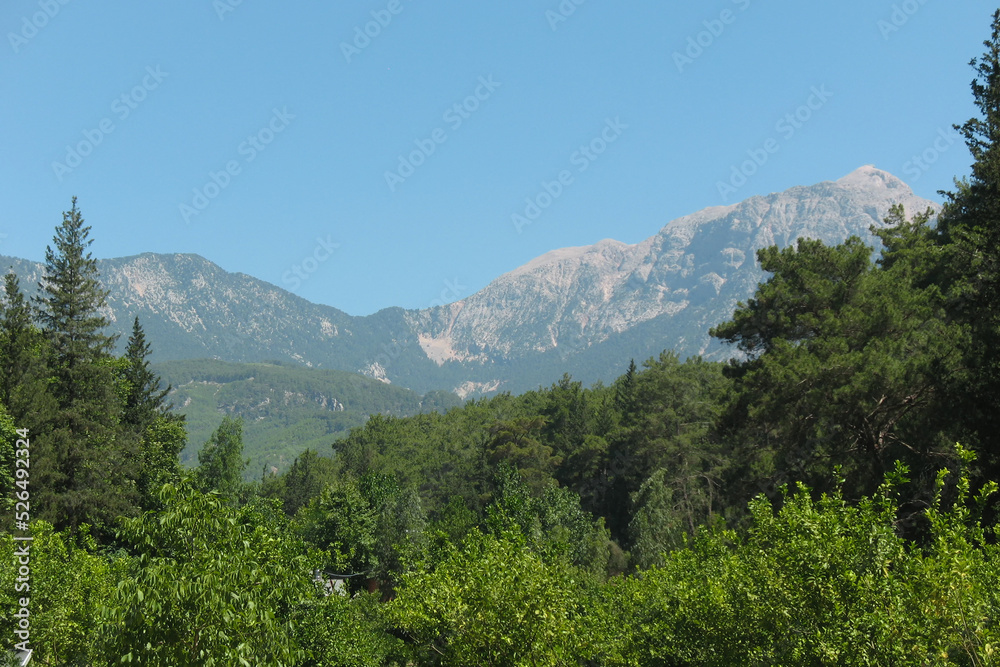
column 585, row 310
column 191, row 308
column 665, row 292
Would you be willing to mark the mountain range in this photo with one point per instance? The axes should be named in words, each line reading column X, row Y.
column 584, row 310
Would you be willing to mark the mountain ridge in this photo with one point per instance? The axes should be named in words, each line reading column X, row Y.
column 618, row 286
column 568, row 310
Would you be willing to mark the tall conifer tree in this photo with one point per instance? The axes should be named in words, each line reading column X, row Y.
column 970, row 233
column 84, row 467
column 144, row 399
column 147, row 418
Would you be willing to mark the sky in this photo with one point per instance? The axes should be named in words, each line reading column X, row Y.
column 385, row 153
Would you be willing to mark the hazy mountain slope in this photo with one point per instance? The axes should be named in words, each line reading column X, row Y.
column 191, row 308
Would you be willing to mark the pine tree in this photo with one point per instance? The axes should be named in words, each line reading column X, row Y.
column 625, row 395
column 22, row 383
column 969, row 229
column 144, row 399
column 85, row 470
column 69, row 309
column 147, row 417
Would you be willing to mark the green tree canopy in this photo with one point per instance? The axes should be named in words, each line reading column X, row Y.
column 210, row 585
column 844, row 364
column 220, row 461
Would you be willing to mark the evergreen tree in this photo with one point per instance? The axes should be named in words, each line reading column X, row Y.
column 517, row 442
column 844, row 366
column 625, row 392
column 86, row 472
column 309, row 475
column 144, row 399
column 147, row 419
column 69, row 309
column 970, row 235
column 22, row 374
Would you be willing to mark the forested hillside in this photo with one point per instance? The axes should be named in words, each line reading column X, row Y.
column 286, row 408
column 827, row 497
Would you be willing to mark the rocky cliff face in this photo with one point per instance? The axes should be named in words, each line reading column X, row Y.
column 580, row 297
column 584, row 310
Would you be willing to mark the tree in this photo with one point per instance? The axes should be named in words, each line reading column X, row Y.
column 513, row 508
column 341, row 631
column 85, row 472
column 144, row 399
column 210, row 584
column 342, row 523
column 817, row 580
column 69, row 310
column 625, row 392
column 565, row 416
column 220, row 461
column 670, row 424
column 969, row 233
column 147, row 418
column 22, row 354
column 400, row 540
column 308, row 475
column 568, row 533
column 70, row 583
column 493, row 602
column 658, row 525
column 675, row 431
column 8, row 449
column 516, row 442
column 844, row 364
column 162, row 442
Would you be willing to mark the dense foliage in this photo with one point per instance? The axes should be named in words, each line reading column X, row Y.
column 803, row 504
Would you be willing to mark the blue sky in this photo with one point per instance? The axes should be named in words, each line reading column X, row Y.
column 385, row 169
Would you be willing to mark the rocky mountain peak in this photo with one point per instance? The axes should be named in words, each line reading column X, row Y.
column 870, row 178
column 575, row 298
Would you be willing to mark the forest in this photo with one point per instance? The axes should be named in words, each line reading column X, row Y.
column 827, row 497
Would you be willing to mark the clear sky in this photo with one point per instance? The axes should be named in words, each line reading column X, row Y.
column 383, row 169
